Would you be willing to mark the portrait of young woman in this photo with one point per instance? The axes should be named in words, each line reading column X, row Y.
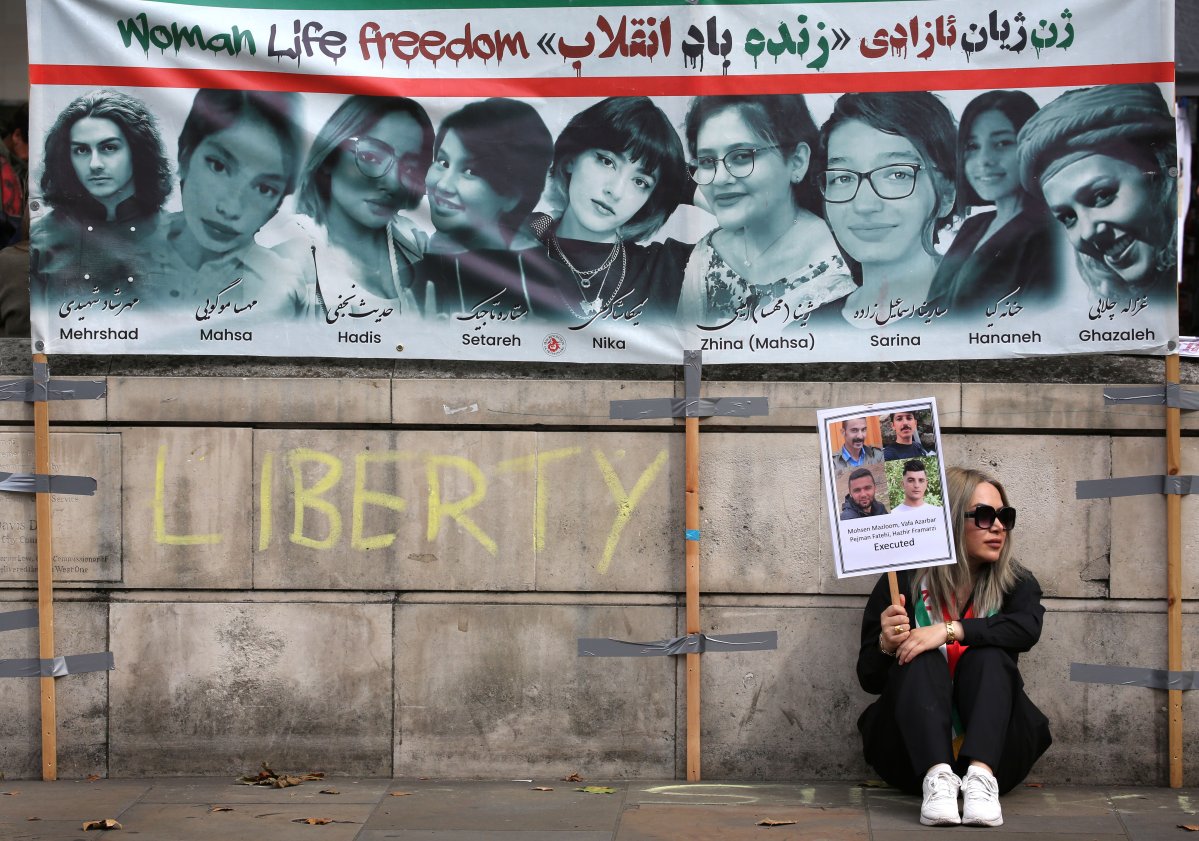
column 750, row 157
column 366, row 166
column 239, row 155
column 1105, row 161
column 105, row 178
column 1013, row 247
column 490, row 160
column 952, row 719
column 886, row 169
column 616, row 178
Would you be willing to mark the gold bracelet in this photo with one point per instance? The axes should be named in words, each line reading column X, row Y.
column 882, row 648
column 950, row 636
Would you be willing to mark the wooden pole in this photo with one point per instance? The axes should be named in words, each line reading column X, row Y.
column 45, row 583
column 692, row 524
column 894, row 582
column 1174, row 576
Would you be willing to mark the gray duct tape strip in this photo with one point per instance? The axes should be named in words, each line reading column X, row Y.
column 1135, row 486
column 689, row 644
column 40, row 483
column 1133, row 676
column 1172, row 395
column 17, row 619
column 666, row 407
column 41, row 382
column 72, row 664
column 28, row 390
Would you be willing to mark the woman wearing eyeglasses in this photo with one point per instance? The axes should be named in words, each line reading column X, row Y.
column 749, row 157
column 886, row 170
column 366, row 165
column 1013, row 247
column 953, row 717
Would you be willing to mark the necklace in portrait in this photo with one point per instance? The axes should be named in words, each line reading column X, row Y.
column 590, row 306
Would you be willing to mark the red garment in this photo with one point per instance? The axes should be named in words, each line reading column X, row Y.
column 955, row 650
column 12, row 196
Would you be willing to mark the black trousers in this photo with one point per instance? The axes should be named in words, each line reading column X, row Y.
column 908, row 730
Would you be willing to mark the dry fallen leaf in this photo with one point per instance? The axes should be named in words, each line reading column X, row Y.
column 314, row 821
column 33, row 819
column 330, row 791
column 596, row 789
column 1034, row 785
column 772, row 822
column 91, row 778
column 541, row 788
column 573, row 778
column 1189, row 827
column 10, row 793
column 221, row 809
column 401, row 793
column 107, row 823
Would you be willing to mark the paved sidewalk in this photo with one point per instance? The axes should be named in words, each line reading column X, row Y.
column 183, row 809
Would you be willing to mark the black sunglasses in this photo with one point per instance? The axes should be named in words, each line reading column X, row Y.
column 984, row 516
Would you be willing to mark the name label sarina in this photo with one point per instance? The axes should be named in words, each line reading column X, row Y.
column 226, row 336
column 82, row 333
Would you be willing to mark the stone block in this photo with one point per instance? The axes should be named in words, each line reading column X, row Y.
column 1053, row 406
column 613, row 512
column 188, row 507
column 948, row 395
column 81, row 700
column 1138, row 566
column 498, row 690
column 759, row 503
column 86, row 539
column 1063, row 540
column 393, row 510
column 1103, row 734
column 779, row 715
column 207, row 688
column 249, row 400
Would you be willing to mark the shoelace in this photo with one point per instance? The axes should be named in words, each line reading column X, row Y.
column 945, row 783
column 980, row 787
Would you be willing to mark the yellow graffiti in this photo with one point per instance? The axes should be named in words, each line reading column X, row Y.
column 160, row 511
column 363, row 498
column 456, row 511
column 537, row 464
column 265, row 512
column 625, row 502
column 306, row 498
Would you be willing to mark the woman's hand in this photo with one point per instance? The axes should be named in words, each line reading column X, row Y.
column 894, row 623
column 921, row 640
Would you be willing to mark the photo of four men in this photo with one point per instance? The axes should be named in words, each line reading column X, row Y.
column 882, row 465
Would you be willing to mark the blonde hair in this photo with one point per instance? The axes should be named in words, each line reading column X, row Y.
column 993, row 580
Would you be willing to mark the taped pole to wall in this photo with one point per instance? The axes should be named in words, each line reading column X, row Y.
column 1174, row 572
column 45, row 566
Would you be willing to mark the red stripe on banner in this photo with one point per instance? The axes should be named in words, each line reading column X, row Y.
column 1034, row 77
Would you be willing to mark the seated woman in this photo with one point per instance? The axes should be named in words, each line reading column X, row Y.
column 750, row 157
column 489, row 165
column 239, row 155
column 1014, row 246
column 886, row 168
column 105, row 178
column 1105, row 161
column 617, row 177
column 366, row 165
column 944, row 661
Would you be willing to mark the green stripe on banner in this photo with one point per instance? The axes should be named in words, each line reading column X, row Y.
column 383, row 5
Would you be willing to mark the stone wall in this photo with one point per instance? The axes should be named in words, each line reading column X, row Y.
column 384, row 568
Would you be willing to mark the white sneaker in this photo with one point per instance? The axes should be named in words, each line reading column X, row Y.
column 940, row 806
column 980, row 799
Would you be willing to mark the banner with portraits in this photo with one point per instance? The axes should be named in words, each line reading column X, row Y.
column 615, row 182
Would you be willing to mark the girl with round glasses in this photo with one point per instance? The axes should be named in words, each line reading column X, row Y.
column 1105, row 161
column 366, row 165
column 886, row 170
column 105, row 178
column 953, row 718
column 1013, row 247
column 749, row 157
column 616, row 178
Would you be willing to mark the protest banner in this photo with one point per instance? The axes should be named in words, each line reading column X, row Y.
column 773, row 182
